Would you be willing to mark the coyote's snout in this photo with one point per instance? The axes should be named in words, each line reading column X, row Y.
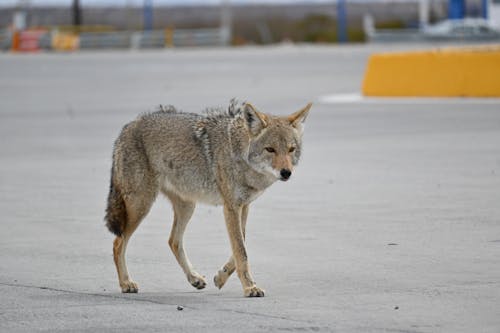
column 285, row 174
column 226, row 157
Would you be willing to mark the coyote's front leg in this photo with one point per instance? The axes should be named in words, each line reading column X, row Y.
column 232, row 214
column 225, row 272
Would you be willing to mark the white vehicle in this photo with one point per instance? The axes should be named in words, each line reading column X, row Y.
column 471, row 29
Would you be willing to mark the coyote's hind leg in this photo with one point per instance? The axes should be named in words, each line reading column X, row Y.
column 137, row 207
column 119, row 248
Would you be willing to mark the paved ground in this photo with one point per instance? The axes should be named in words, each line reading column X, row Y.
column 390, row 224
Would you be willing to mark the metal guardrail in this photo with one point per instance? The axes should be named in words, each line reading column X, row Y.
column 201, row 37
column 108, row 40
column 5, row 40
column 127, row 39
column 414, row 35
column 151, row 39
column 45, row 42
column 397, row 35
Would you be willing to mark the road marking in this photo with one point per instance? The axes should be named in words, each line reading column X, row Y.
column 347, row 98
column 340, row 98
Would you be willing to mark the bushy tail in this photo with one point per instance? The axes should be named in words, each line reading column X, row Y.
column 116, row 212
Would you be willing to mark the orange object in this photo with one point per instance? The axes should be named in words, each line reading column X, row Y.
column 468, row 72
column 15, row 41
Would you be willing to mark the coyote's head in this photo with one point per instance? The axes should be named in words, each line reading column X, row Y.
column 275, row 142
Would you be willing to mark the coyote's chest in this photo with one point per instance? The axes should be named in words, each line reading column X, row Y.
column 196, row 190
column 208, row 191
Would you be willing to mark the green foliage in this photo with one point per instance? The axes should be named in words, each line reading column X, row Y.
column 315, row 28
column 323, row 29
column 390, row 25
column 356, row 35
column 85, row 28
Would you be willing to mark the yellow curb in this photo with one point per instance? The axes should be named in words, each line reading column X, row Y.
column 452, row 72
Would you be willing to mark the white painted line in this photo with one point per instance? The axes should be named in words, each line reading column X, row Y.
column 347, row 98
column 340, row 98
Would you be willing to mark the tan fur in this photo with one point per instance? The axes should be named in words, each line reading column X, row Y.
column 299, row 116
column 225, row 272
column 226, row 158
column 282, row 161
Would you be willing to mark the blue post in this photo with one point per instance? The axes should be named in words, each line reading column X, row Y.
column 341, row 21
column 148, row 14
column 484, row 9
column 456, row 9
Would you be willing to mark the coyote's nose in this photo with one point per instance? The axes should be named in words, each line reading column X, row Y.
column 285, row 174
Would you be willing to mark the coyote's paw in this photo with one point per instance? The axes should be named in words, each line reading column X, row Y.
column 254, row 292
column 129, row 286
column 220, row 278
column 197, row 280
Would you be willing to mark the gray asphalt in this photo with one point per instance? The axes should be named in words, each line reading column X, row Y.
column 391, row 222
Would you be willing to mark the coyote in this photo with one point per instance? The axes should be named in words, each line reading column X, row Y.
column 223, row 157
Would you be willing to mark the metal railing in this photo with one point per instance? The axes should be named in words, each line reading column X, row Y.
column 104, row 40
column 199, row 37
column 5, row 40
column 152, row 39
column 128, row 39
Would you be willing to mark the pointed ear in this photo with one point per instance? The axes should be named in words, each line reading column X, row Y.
column 256, row 121
column 300, row 116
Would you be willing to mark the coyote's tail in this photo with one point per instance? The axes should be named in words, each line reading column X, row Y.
column 116, row 212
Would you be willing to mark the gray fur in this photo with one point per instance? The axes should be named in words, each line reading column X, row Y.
column 216, row 157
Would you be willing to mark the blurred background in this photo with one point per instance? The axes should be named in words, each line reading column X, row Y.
column 391, row 223
column 32, row 25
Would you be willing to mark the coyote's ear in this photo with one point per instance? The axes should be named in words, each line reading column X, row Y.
column 256, row 121
column 300, row 116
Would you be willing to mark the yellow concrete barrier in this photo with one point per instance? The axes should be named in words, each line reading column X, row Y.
column 468, row 72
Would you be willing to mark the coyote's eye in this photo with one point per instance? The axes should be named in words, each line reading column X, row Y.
column 291, row 150
column 270, row 149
